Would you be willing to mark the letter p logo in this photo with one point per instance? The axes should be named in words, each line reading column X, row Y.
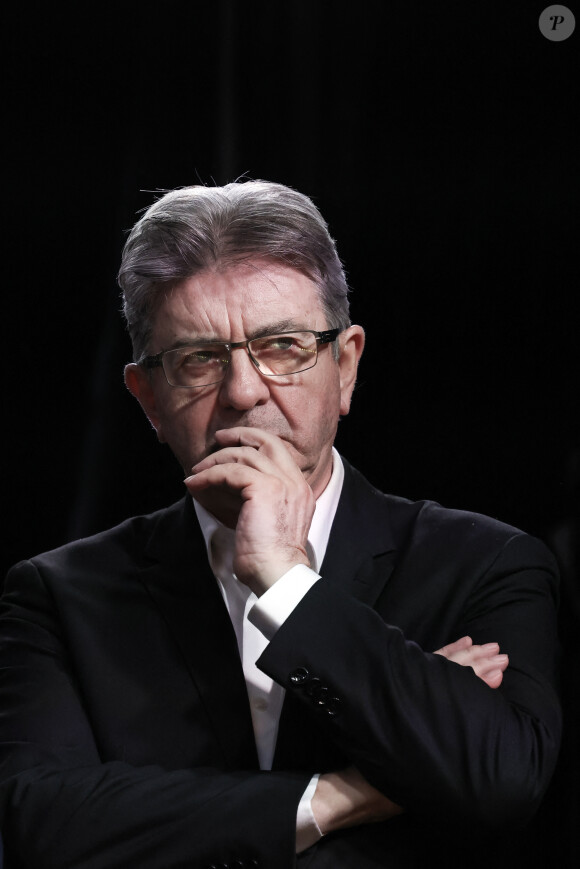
column 557, row 23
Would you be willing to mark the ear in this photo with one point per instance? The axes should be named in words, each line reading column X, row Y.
column 138, row 382
column 352, row 342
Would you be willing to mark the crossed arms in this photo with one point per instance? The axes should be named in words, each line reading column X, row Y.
column 345, row 799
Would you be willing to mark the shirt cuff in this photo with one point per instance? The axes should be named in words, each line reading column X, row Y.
column 273, row 607
column 307, row 830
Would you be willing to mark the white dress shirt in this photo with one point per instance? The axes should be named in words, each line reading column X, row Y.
column 255, row 622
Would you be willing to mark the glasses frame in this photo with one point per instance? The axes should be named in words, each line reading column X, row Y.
column 156, row 361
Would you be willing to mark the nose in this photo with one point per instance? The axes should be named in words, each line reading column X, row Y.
column 243, row 386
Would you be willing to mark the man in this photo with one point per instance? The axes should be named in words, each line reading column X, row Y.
column 248, row 674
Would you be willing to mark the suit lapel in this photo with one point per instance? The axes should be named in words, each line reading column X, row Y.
column 180, row 581
column 361, row 549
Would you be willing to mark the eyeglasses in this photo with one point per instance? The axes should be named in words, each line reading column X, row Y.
column 273, row 355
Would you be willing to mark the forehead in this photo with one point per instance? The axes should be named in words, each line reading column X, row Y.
column 238, row 302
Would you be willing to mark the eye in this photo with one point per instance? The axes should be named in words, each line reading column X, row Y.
column 279, row 342
column 200, row 357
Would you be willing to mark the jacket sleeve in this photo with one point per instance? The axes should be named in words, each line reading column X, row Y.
column 425, row 731
column 61, row 807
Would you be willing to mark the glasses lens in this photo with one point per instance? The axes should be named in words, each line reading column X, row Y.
column 286, row 353
column 199, row 365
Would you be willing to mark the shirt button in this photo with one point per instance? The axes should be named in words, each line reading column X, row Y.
column 260, row 704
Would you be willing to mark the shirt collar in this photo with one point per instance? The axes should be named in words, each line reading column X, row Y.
column 320, row 526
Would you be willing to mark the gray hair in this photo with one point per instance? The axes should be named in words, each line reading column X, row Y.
column 195, row 228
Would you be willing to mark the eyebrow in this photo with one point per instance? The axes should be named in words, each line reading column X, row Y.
column 269, row 329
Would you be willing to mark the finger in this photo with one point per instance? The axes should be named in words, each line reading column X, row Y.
column 239, row 455
column 232, row 475
column 454, row 648
column 493, row 679
column 487, row 665
column 265, row 442
column 244, row 435
column 489, row 648
column 476, row 653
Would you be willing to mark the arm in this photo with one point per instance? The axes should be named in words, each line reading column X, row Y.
column 345, row 799
column 433, row 738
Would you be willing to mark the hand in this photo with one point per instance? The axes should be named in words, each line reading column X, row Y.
column 346, row 799
column 485, row 660
column 253, row 484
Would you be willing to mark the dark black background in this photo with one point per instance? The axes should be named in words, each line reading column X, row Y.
column 440, row 142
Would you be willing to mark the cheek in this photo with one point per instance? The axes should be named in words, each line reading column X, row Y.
column 315, row 414
column 184, row 422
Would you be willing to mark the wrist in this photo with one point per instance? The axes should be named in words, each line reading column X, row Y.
column 346, row 799
column 265, row 574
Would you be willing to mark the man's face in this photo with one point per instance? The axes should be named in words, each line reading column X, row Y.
column 232, row 305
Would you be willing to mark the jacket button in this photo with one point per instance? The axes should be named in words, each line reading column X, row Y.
column 317, row 691
column 333, row 706
column 299, row 676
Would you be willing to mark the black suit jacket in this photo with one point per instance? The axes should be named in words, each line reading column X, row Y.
column 126, row 736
